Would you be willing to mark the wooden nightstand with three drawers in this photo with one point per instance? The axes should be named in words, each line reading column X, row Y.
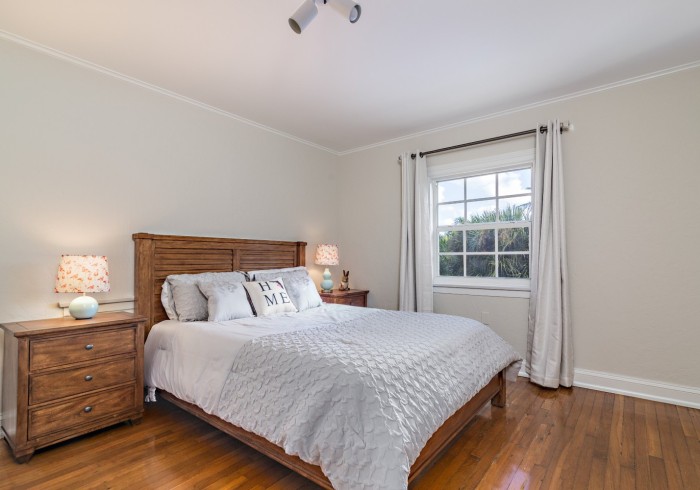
column 64, row 377
column 352, row 297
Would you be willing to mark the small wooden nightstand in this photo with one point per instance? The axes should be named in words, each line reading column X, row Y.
column 352, row 297
column 64, row 377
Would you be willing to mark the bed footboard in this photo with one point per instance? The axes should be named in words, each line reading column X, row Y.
column 495, row 391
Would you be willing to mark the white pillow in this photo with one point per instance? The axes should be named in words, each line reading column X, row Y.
column 269, row 297
column 300, row 287
column 226, row 301
column 182, row 298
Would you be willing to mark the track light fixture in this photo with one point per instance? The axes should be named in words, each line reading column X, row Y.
column 307, row 12
column 303, row 16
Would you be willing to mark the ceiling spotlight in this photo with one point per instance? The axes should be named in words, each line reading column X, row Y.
column 303, row 16
column 347, row 8
column 308, row 10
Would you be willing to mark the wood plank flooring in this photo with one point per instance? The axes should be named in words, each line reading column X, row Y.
column 549, row 439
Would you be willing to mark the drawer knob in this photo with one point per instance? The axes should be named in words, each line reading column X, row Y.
column 89, row 347
column 88, row 378
column 87, row 409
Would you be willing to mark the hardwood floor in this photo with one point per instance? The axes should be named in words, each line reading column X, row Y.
column 566, row 438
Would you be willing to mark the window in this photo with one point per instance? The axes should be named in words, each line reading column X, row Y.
column 483, row 227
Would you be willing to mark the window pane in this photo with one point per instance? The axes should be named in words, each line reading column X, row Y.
column 451, row 265
column 515, row 209
column 514, row 240
column 451, row 241
column 481, row 240
column 482, row 186
column 481, row 265
column 450, row 214
column 515, row 182
column 481, row 211
column 451, row 190
column 517, row 265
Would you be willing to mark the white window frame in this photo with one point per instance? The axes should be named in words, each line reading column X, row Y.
column 488, row 286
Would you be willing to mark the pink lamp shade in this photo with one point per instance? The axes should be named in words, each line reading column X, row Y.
column 326, row 254
column 82, row 274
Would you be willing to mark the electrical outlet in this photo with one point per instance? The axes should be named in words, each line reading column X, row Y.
column 485, row 317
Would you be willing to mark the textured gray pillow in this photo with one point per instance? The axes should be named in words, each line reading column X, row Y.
column 187, row 301
column 300, row 287
column 226, row 301
column 166, row 299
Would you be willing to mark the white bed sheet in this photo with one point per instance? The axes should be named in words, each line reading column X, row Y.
column 192, row 360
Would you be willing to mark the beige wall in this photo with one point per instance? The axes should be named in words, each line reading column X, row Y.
column 86, row 160
column 632, row 171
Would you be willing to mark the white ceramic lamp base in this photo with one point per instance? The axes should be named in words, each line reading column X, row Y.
column 327, row 283
column 83, row 307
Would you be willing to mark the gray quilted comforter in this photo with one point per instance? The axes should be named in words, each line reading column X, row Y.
column 361, row 398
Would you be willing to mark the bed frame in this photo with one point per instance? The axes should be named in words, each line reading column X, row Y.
column 158, row 256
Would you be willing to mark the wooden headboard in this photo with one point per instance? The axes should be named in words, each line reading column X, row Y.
column 158, row 256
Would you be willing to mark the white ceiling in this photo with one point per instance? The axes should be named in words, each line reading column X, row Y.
column 405, row 67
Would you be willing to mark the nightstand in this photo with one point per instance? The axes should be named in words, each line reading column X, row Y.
column 64, row 377
column 352, row 297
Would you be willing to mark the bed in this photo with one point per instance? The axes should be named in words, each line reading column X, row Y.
column 158, row 256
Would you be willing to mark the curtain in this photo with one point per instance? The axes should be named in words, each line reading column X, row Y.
column 416, row 267
column 549, row 356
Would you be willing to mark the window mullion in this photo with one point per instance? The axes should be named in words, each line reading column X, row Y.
column 466, row 218
column 464, row 238
column 495, row 231
column 495, row 252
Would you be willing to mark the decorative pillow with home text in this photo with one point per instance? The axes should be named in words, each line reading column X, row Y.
column 269, row 297
column 300, row 287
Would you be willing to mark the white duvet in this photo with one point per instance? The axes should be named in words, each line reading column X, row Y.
column 357, row 391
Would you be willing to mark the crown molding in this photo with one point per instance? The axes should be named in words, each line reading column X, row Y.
column 135, row 81
column 112, row 73
column 554, row 100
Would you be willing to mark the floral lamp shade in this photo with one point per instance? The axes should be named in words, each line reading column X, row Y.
column 326, row 254
column 82, row 274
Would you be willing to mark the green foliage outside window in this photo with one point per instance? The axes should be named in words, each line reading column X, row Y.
column 483, row 240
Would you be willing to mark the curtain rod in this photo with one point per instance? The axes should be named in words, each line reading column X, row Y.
column 543, row 129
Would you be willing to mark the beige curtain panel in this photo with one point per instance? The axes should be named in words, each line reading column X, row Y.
column 416, row 267
column 549, row 356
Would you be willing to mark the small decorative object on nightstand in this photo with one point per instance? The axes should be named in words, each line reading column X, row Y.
column 326, row 254
column 352, row 297
column 82, row 274
column 63, row 378
column 345, row 281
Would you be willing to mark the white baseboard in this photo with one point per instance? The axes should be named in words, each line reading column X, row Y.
column 657, row 391
column 685, row 396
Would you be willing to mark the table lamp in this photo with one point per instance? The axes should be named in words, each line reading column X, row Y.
column 326, row 254
column 82, row 274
